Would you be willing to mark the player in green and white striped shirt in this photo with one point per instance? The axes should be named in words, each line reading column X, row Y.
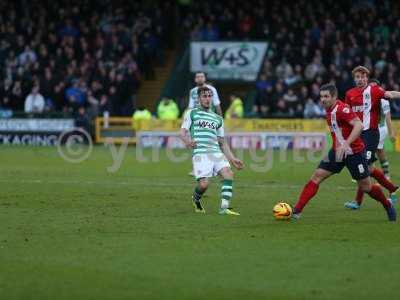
column 203, row 131
column 200, row 80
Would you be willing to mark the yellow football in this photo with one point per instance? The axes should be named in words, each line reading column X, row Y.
column 282, row 211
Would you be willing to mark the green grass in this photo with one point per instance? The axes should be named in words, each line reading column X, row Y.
column 77, row 231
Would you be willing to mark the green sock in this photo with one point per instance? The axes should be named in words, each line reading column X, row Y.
column 226, row 193
column 197, row 194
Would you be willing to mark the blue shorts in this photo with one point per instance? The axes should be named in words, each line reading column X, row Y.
column 370, row 138
column 355, row 163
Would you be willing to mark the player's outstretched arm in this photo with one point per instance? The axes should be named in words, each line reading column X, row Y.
column 392, row 95
column 238, row 164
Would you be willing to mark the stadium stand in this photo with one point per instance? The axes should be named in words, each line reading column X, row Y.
column 97, row 53
column 80, row 53
column 310, row 42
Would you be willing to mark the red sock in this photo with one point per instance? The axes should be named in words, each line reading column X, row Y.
column 378, row 195
column 359, row 196
column 380, row 177
column 309, row 191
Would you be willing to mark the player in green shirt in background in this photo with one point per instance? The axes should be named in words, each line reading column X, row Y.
column 385, row 129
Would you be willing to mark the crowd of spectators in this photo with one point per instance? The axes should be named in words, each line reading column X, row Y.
column 90, row 56
column 79, row 56
column 309, row 43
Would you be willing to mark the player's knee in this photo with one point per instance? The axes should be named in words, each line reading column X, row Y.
column 203, row 184
column 317, row 176
column 228, row 174
column 365, row 185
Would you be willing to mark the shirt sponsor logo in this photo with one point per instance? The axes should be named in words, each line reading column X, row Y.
column 358, row 108
column 206, row 124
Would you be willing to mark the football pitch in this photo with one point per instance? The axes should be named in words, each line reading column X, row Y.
column 79, row 231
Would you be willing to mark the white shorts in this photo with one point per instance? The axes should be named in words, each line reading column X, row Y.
column 383, row 131
column 208, row 165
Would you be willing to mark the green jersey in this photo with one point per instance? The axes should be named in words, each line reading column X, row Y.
column 205, row 127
